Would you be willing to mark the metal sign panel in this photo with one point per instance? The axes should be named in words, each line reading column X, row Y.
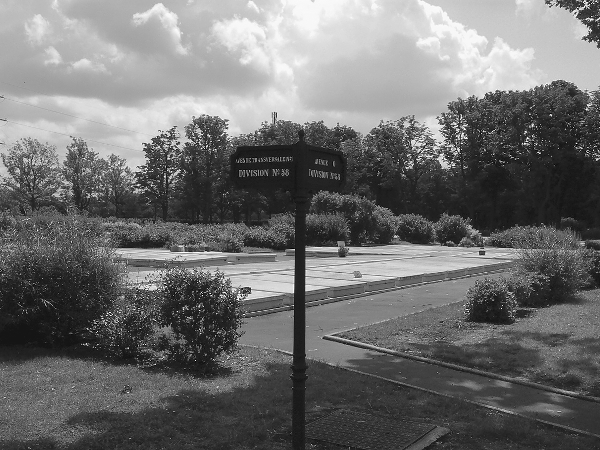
column 269, row 166
column 278, row 167
column 326, row 169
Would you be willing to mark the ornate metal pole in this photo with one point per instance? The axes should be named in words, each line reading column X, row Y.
column 299, row 356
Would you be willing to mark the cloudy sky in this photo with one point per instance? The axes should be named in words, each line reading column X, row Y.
column 115, row 72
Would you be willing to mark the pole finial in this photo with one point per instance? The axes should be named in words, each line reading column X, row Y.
column 301, row 135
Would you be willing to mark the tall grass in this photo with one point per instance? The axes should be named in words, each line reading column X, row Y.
column 556, row 255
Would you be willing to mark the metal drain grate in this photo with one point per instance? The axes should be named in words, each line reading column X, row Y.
column 367, row 432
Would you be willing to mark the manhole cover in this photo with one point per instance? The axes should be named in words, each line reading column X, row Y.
column 364, row 431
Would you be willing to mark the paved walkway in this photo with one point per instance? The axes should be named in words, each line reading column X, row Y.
column 276, row 331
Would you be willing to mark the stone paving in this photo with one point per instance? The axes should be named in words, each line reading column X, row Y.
column 270, row 277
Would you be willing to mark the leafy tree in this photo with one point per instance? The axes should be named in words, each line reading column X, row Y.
column 81, row 170
column 283, row 132
column 117, row 181
column 155, row 178
column 396, row 155
column 587, row 12
column 33, row 173
column 204, row 166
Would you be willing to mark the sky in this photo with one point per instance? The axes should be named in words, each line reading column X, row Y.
column 115, row 72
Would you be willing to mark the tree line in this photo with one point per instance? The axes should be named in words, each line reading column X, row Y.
column 509, row 157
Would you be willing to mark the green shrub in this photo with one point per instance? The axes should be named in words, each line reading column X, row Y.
column 124, row 234
column 490, row 300
column 570, row 223
column 126, row 329
column 415, row 229
column 557, row 255
column 450, row 244
column 326, row 229
column 283, row 229
column 451, row 228
column 533, row 237
column 530, row 289
column 475, row 236
column 367, row 221
column 203, row 312
column 466, row 242
column 386, row 225
column 55, row 281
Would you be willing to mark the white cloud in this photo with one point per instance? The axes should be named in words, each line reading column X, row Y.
column 168, row 20
column 85, row 65
column 252, row 6
column 245, row 37
column 37, row 29
column 53, row 57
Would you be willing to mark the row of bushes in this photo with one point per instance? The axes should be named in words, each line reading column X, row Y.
column 551, row 266
column 59, row 285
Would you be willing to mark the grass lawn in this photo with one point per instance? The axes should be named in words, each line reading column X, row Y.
column 69, row 400
column 558, row 346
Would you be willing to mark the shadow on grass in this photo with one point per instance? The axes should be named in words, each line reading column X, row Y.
column 20, row 354
column 190, row 419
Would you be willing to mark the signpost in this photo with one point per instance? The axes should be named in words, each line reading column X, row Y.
column 301, row 169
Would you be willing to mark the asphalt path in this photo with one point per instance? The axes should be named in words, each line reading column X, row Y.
column 276, row 331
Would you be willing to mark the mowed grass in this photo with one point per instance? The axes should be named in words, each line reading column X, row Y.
column 558, row 345
column 69, row 400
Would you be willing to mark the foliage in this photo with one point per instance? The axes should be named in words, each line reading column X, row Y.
column 367, row 222
column 343, row 251
column 415, row 229
column 587, row 12
column 81, row 171
column 125, row 330
column 532, row 237
column 570, row 223
column 386, row 225
column 451, row 228
column 326, row 229
column 117, row 181
column 203, row 165
column 490, row 300
column 156, row 176
column 55, row 280
column 33, row 173
column 557, row 255
column 531, row 289
column 203, row 312
column 466, row 242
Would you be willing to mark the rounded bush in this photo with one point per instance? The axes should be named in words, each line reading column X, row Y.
column 203, row 312
column 55, row 281
column 415, row 229
column 451, row 228
column 490, row 300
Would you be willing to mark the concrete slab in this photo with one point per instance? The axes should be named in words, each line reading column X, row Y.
column 327, row 279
